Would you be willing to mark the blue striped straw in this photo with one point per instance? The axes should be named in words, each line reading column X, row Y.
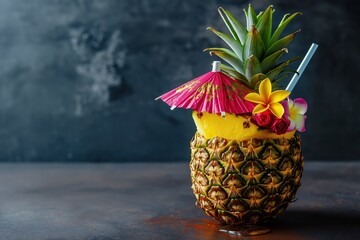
column 302, row 67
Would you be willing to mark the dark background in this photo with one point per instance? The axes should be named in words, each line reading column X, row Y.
column 78, row 78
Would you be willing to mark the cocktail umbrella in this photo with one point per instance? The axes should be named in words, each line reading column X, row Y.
column 213, row 92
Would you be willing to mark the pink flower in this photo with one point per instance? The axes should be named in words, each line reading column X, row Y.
column 280, row 125
column 263, row 119
column 295, row 112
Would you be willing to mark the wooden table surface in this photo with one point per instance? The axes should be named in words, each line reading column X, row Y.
column 154, row 201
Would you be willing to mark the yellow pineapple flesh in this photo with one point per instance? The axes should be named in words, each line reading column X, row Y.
column 231, row 126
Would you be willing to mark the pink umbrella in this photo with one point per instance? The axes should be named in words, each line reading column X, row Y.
column 213, row 92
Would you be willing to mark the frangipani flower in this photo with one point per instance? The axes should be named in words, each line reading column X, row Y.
column 266, row 99
column 295, row 112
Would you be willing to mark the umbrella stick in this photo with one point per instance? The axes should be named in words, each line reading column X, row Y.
column 216, row 66
column 302, row 67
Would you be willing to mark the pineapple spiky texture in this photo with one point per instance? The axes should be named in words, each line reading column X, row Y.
column 245, row 182
column 254, row 50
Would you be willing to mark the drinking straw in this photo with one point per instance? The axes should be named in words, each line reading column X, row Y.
column 302, row 67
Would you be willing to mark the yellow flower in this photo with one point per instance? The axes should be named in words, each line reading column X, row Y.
column 266, row 99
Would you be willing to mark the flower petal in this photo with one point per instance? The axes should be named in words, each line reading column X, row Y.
column 265, row 88
column 260, row 108
column 285, row 105
column 299, row 121
column 300, row 105
column 277, row 109
column 290, row 103
column 291, row 127
column 278, row 96
column 254, row 97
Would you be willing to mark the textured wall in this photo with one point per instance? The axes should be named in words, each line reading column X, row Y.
column 78, row 78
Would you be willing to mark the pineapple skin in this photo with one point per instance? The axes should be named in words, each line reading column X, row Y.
column 245, row 182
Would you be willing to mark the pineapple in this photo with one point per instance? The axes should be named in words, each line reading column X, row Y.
column 242, row 173
column 244, row 180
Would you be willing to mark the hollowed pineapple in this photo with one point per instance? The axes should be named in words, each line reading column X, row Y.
column 247, row 180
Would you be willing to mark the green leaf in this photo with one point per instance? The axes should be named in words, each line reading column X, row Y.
column 233, row 44
column 256, row 79
column 276, row 71
column 251, row 18
column 225, row 50
column 238, row 27
column 282, row 25
column 279, row 85
column 264, row 26
column 235, row 74
column 280, row 82
column 227, row 67
column 293, row 71
column 253, row 44
column 279, row 68
column 252, row 67
column 280, row 44
column 271, row 60
column 284, row 18
column 228, row 24
column 234, row 62
column 259, row 16
column 280, row 77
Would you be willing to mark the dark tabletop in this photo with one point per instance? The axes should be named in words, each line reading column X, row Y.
column 155, row 201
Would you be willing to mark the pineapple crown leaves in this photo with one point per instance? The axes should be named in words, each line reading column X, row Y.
column 255, row 49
